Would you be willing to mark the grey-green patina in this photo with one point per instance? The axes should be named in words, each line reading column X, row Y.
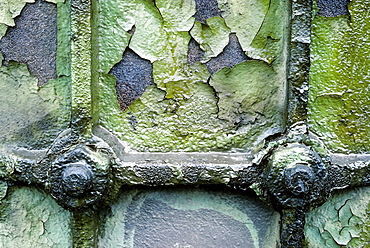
column 190, row 108
column 343, row 221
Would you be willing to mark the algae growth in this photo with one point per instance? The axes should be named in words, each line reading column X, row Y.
column 339, row 102
column 188, row 109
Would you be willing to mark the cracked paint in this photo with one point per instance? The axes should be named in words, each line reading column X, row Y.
column 342, row 221
column 31, row 218
column 187, row 109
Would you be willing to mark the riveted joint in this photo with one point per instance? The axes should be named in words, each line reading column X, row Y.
column 77, row 179
column 81, row 177
column 294, row 178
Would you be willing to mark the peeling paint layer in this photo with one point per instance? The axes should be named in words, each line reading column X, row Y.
column 30, row 116
column 343, row 221
column 206, row 9
column 31, row 218
column 232, row 55
column 186, row 109
column 33, row 116
column 33, row 40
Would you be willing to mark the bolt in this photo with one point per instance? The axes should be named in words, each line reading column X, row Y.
column 299, row 179
column 76, row 179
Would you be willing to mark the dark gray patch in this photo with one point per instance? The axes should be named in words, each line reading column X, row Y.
column 133, row 121
column 192, row 173
column 331, row 8
column 160, row 225
column 133, row 75
column 195, row 53
column 233, row 54
column 154, row 174
column 206, row 9
column 33, row 40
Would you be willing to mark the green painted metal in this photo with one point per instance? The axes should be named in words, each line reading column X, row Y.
column 81, row 55
column 181, row 113
column 31, row 218
column 188, row 109
column 339, row 103
column 342, row 221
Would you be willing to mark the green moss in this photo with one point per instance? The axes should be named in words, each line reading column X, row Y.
column 339, row 102
column 81, row 54
column 84, row 228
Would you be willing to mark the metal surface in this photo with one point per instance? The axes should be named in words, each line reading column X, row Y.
column 85, row 166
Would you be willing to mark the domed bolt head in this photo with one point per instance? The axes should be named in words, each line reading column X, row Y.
column 76, row 179
column 299, row 179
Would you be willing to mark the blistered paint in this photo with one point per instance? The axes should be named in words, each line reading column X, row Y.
column 343, row 221
column 182, row 112
column 339, row 102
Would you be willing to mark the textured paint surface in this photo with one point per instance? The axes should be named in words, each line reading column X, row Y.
column 31, row 218
column 33, row 40
column 339, row 102
column 9, row 9
column 188, row 109
column 189, row 218
column 30, row 116
column 33, row 116
column 343, row 221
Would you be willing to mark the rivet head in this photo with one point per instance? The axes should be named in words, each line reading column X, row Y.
column 299, row 179
column 76, row 179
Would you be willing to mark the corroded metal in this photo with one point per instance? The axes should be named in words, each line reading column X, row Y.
column 80, row 177
column 77, row 179
column 293, row 171
column 295, row 177
column 299, row 63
